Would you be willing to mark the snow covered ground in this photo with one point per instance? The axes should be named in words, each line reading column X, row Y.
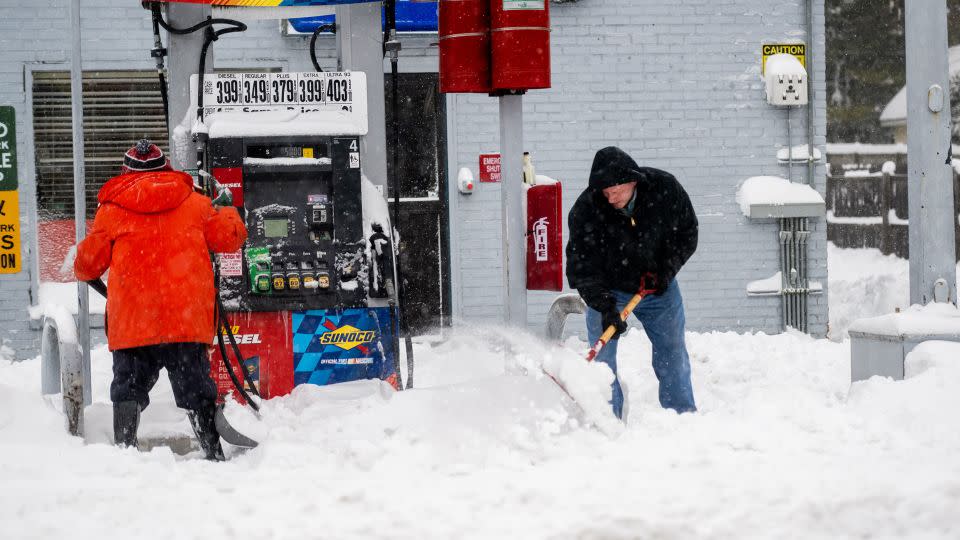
column 486, row 447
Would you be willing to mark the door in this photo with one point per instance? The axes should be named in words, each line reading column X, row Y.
column 424, row 230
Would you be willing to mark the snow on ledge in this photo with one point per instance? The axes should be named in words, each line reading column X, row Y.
column 285, row 123
column 840, row 220
column 286, row 161
column 799, row 154
column 544, row 180
column 772, row 286
column 930, row 320
column 774, row 191
column 64, row 294
column 860, row 173
column 66, row 325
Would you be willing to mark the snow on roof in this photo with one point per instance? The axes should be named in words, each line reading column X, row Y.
column 774, row 191
column 930, row 320
column 895, row 113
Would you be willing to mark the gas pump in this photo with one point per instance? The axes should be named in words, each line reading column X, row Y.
column 307, row 297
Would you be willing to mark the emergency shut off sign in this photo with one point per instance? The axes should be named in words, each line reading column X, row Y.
column 10, row 258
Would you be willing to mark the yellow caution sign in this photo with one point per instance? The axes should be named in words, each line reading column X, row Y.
column 798, row 50
column 10, row 255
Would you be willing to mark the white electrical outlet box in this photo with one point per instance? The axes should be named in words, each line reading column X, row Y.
column 786, row 80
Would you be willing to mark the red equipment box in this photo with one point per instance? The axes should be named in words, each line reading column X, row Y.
column 464, row 27
column 492, row 45
column 520, row 38
column 545, row 238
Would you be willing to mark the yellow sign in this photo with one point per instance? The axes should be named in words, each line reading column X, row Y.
column 347, row 337
column 10, row 257
column 799, row 50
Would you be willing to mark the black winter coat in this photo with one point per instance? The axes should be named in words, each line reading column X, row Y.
column 607, row 250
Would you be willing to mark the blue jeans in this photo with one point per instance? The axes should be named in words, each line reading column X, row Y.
column 663, row 319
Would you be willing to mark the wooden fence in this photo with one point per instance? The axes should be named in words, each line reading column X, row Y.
column 872, row 211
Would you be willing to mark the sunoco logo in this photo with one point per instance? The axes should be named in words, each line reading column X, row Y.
column 347, row 337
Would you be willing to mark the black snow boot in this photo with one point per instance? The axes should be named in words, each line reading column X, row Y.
column 205, row 428
column 126, row 420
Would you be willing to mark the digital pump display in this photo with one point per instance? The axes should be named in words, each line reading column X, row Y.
column 275, row 228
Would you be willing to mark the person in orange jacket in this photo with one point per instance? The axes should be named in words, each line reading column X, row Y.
column 155, row 234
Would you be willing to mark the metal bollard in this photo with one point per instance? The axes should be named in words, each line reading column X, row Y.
column 562, row 306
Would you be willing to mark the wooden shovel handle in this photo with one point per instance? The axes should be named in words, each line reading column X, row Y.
column 627, row 310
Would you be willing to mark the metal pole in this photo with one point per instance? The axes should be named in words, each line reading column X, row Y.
column 183, row 61
column 79, row 191
column 360, row 48
column 511, row 200
column 930, row 185
column 811, row 109
column 789, row 149
column 784, row 273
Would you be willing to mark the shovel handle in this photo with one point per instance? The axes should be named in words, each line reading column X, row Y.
column 627, row 310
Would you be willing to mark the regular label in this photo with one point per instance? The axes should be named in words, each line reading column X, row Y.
column 231, row 264
column 523, row 4
column 10, row 259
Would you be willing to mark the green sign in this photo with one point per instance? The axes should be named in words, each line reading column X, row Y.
column 8, row 149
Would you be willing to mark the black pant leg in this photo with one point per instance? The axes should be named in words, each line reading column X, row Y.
column 189, row 369
column 135, row 371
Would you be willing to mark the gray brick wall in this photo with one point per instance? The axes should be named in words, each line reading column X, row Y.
column 675, row 84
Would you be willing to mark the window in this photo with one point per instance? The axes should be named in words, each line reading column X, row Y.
column 119, row 108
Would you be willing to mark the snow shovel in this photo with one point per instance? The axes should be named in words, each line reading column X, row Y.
column 627, row 310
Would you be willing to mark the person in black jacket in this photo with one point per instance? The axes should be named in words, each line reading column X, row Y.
column 634, row 226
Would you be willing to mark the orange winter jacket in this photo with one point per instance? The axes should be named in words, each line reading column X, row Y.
column 155, row 234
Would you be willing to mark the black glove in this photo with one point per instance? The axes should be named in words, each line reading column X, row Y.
column 612, row 318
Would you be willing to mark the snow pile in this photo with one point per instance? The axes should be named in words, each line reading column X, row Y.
column 65, row 294
column 774, row 191
column 588, row 383
column 782, row 447
column 864, row 283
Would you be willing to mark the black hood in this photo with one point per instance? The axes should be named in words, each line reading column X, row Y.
column 612, row 166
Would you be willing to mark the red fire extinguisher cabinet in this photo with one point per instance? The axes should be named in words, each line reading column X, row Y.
column 545, row 238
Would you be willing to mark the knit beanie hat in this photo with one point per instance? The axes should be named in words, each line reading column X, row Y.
column 144, row 156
